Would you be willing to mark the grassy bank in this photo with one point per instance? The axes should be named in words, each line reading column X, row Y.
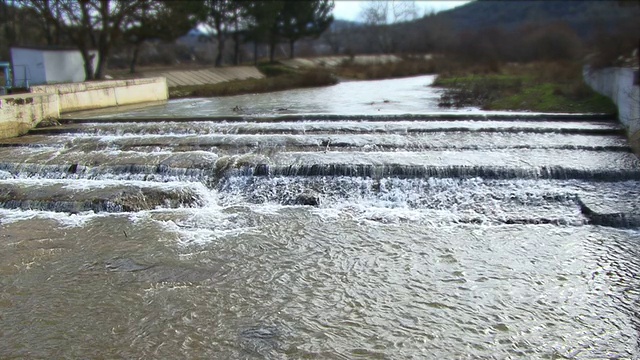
column 278, row 78
column 542, row 86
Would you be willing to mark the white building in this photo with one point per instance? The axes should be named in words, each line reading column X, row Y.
column 47, row 65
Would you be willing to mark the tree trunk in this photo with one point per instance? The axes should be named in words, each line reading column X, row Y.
column 255, row 53
column 134, row 58
column 103, row 55
column 88, row 60
column 291, row 45
column 220, row 52
column 236, row 48
column 272, row 51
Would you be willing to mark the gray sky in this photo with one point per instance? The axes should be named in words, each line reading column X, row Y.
column 350, row 9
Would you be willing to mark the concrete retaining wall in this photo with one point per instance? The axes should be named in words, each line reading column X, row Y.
column 97, row 95
column 206, row 76
column 20, row 113
column 618, row 84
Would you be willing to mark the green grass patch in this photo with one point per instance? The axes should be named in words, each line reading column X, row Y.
column 275, row 69
column 286, row 81
column 540, row 87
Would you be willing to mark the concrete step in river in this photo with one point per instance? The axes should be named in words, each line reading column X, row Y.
column 322, row 160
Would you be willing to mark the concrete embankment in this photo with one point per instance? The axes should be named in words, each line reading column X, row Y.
column 205, row 76
column 20, row 113
column 621, row 86
column 96, row 95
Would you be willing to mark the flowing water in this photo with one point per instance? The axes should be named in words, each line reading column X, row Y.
column 321, row 233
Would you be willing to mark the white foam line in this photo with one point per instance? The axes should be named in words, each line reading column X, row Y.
column 8, row 216
column 88, row 184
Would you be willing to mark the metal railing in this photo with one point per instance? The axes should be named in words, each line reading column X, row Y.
column 21, row 76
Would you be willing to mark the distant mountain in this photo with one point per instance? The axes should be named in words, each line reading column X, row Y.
column 340, row 25
column 583, row 16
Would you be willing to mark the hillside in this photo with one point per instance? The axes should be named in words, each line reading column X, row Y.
column 583, row 16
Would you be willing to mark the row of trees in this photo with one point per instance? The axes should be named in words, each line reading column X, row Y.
column 102, row 24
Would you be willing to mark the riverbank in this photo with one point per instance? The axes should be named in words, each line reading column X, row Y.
column 290, row 75
column 277, row 78
column 539, row 87
column 536, row 87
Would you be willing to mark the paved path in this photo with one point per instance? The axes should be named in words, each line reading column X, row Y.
column 206, row 76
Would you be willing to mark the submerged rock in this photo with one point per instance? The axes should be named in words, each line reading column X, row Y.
column 260, row 332
column 307, row 199
column 152, row 273
column 260, row 340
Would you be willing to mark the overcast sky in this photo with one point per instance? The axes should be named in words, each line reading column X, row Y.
column 350, row 10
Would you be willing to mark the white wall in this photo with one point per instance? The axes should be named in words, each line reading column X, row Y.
column 102, row 94
column 49, row 66
column 618, row 85
column 65, row 66
column 30, row 60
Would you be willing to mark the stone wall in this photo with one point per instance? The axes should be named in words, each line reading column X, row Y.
column 621, row 86
column 101, row 94
column 20, row 113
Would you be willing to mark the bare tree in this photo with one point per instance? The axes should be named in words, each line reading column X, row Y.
column 161, row 19
column 89, row 24
column 379, row 15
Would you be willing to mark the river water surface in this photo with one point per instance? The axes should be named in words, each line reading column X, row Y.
column 350, row 222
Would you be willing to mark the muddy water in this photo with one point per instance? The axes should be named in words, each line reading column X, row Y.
column 501, row 237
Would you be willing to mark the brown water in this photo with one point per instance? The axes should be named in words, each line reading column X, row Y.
column 449, row 238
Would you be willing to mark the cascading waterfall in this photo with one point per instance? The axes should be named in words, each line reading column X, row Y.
column 279, row 159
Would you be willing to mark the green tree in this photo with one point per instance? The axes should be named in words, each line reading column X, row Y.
column 300, row 19
column 222, row 16
column 262, row 18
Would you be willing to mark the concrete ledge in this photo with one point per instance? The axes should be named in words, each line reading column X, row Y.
column 101, row 94
column 20, row 113
column 610, row 212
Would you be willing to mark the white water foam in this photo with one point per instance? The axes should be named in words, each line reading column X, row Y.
column 8, row 216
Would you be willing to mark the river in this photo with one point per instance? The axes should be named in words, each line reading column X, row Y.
column 350, row 222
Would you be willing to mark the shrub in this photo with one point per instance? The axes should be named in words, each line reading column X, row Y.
column 270, row 69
